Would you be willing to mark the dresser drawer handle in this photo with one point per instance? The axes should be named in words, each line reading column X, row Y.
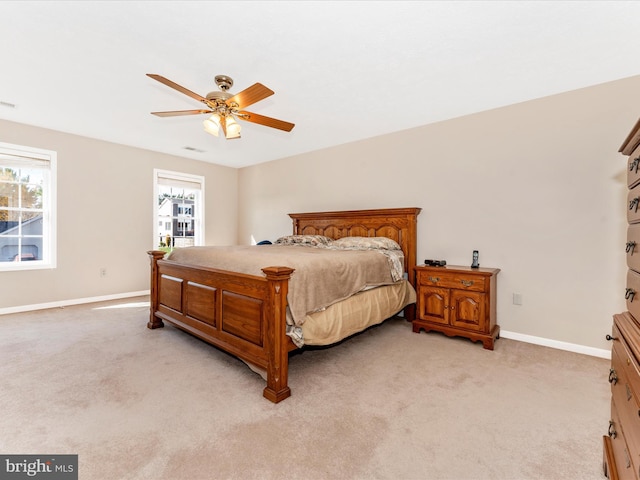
column 633, row 204
column 466, row 283
column 633, row 166
column 613, row 376
column 434, row 279
column 631, row 246
column 629, row 294
column 612, row 431
column 609, row 337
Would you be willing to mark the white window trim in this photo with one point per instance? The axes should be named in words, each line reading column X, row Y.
column 49, row 209
column 198, row 218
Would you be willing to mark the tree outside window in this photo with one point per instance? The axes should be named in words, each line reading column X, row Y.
column 26, row 207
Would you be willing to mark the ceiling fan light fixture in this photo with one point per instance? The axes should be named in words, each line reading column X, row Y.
column 212, row 125
column 233, row 128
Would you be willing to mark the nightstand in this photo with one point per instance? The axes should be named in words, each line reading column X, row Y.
column 457, row 301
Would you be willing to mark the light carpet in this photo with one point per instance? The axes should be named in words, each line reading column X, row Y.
column 135, row 403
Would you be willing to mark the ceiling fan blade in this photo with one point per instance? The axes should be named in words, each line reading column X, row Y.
column 176, row 113
column 251, row 95
column 177, row 87
column 266, row 121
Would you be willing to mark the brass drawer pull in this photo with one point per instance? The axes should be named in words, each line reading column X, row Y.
column 466, row 283
column 633, row 204
column 629, row 294
column 613, row 376
column 631, row 246
column 434, row 279
column 633, row 166
column 612, row 431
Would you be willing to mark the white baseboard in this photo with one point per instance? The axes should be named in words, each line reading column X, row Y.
column 66, row 303
column 545, row 342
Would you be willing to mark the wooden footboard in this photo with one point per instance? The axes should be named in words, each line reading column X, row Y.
column 244, row 315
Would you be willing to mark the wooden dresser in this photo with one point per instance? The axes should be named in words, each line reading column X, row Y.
column 622, row 442
column 457, row 301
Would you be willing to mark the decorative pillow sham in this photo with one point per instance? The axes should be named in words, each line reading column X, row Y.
column 366, row 243
column 310, row 240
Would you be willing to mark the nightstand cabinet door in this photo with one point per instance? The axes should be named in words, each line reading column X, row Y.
column 467, row 310
column 434, row 305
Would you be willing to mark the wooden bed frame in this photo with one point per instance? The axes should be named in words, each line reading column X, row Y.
column 245, row 315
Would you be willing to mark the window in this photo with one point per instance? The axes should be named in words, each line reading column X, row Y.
column 27, row 208
column 178, row 210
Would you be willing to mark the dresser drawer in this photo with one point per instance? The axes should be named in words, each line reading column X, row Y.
column 459, row 281
column 628, row 361
column 624, row 466
column 633, row 205
column 633, row 168
column 626, row 325
column 633, row 247
column 632, row 293
column 608, row 459
column 626, row 403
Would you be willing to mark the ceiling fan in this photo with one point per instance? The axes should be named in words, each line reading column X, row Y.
column 225, row 107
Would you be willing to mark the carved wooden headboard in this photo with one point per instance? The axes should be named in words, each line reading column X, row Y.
column 399, row 224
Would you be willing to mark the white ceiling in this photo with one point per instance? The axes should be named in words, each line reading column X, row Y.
column 341, row 71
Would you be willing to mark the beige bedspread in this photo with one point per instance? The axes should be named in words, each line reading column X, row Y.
column 356, row 313
column 350, row 316
column 321, row 278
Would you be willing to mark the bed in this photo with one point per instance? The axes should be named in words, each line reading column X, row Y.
column 248, row 313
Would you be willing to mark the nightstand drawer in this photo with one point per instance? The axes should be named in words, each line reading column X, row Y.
column 460, row 281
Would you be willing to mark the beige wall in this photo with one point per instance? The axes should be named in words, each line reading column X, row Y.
column 538, row 188
column 105, row 216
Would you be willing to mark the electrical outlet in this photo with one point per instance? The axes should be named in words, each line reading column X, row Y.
column 517, row 299
column 103, row 272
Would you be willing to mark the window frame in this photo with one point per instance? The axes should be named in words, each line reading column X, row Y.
column 49, row 207
column 198, row 218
